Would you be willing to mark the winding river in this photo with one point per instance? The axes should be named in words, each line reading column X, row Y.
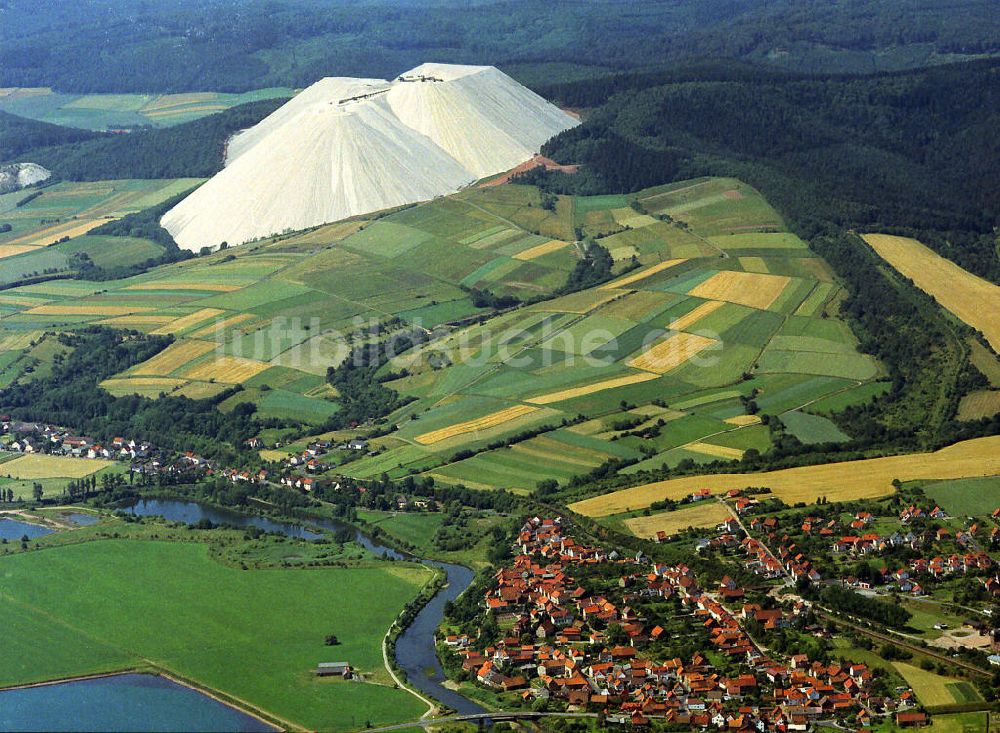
column 415, row 650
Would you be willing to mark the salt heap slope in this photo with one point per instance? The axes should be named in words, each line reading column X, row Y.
column 345, row 147
column 478, row 114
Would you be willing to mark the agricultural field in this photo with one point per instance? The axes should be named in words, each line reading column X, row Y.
column 841, row 481
column 812, row 428
column 933, row 689
column 971, row 299
column 979, row 404
column 702, row 514
column 970, row 497
column 111, row 111
column 964, row 722
column 52, row 227
column 194, row 606
column 37, row 466
column 690, row 330
column 677, row 330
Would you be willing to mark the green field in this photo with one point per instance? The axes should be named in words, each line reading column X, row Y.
column 225, row 628
column 417, row 528
column 812, row 428
column 971, row 497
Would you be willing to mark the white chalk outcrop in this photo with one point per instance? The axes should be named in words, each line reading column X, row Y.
column 345, row 147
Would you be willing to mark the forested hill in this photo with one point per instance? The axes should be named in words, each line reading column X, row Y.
column 194, row 149
column 19, row 135
column 218, row 45
column 914, row 150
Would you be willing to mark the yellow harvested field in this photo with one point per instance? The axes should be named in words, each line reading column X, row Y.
column 692, row 317
column 41, row 466
column 568, row 394
column 541, row 249
column 174, row 357
column 716, row 451
column 9, row 250
column 191, row 319
column 638, row 275
column 929, row 687
column 702, row 514
column 167, row 285
column 273, row 454
column 751, row 289
column 743, row 420
column 480, row 423
column 971, row 299
column 843, row 481
column 977, row 405
column 671, row 352
column 86, row 309
column 226, row 369
column 222, row 325
column 52, row 234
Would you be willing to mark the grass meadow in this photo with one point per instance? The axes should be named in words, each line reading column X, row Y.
column 251, row 634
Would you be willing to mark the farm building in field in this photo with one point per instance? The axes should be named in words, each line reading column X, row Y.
column 333, row 669
column 345, row 147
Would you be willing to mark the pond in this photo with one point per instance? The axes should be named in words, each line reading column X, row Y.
column 80, row 519
column 124, row 702
column 13, row 529
column 191, row 512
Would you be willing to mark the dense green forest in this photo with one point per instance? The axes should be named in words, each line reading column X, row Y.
column 194, row 149
column 190, row 45
column 909, row 151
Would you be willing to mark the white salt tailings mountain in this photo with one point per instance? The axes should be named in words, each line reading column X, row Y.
column 16, row 176
column 344, row 147
column 484, row 119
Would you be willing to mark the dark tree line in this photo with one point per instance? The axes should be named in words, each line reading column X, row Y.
column 124, row 46
column 845, row 600
column 18, row 135
column 911, row 151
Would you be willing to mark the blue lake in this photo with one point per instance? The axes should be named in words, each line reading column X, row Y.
column 12, row 529
column 125, row 702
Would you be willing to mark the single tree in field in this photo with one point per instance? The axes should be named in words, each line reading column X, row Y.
column 37, row 491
